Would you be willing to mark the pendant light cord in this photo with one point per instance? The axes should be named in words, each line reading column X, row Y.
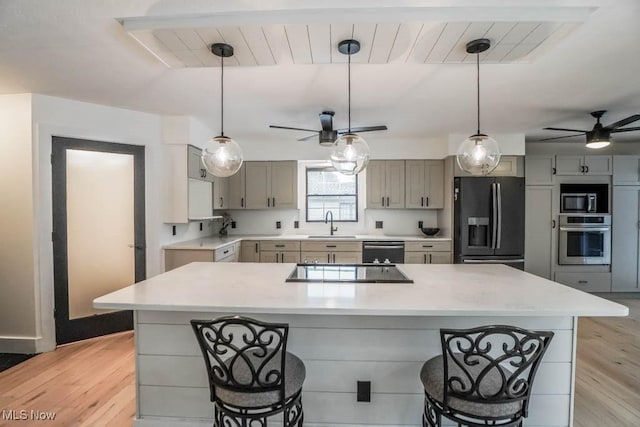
column 478, row 84
column 222, row 95
column 349, row 90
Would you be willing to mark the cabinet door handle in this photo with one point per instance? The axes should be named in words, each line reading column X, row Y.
column 387, row 201
column 553, row 223
column 328, row 258
column 273, row 204
column 427, row 201
column 256, row 247
column 226, row 252
column 582, row 169
column 221, row 201
column 583, row 282
column 430, row 261
column 421, row 201
column 553, row 171
column 383, row 201
column 334, row 258
column 425, row 258
column 242, row 202
column 587, row 169
column 268, row 202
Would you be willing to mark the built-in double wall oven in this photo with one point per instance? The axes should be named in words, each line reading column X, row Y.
column 584, row 239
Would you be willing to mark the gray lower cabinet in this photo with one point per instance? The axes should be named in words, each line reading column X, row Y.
column 174, row 258
column 625, row 239
column 424, row 188
column 280, row 251
column 250, row 251
column 587, row 282
column 540, row 230
column 434, row 252
column 331, row 252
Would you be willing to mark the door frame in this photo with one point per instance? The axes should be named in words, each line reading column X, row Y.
column 87, row 327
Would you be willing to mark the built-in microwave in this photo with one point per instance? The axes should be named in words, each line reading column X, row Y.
column 578, row 202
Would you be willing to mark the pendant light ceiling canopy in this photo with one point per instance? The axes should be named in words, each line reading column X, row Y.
column 479, row 154
column 350, row 152
column 222, row 156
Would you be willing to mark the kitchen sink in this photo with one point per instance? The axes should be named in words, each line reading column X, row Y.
column 328, row 236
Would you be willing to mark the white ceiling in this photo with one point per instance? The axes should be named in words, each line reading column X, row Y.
column 552, row 62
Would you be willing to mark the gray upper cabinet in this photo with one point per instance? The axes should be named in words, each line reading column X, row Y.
column 236, row 189
column 508, row 166
column 385, row 184
column 626, row 170
column 271, row 185
column 584, row 165
column 221, row 193
column 424, row 184
column 539, row 170
column 625, row 239
column 195, row 167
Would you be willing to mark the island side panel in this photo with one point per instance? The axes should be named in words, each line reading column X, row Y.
column 338, row 351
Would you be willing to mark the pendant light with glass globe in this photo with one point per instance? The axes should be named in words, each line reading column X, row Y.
column 222, row 156
column 479, row 154
column 350, row 152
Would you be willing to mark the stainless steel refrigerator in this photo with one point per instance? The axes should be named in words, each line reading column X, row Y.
column 489, row 221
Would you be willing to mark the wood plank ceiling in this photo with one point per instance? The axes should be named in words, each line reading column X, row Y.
column 414, row 42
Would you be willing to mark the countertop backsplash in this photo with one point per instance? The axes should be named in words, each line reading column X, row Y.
column 395, row 222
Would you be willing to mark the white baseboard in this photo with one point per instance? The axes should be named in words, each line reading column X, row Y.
column 21, row 345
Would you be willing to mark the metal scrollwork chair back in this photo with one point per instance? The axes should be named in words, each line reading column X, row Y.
column 492, row 364
column 251, row 374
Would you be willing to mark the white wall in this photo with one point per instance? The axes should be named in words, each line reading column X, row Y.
column 17, row 270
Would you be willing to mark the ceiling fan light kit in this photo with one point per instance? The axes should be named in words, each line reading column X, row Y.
column 222, row 156
column 599, row 136
column 479, row 154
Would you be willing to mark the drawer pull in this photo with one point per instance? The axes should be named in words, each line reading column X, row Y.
column 226, row 252
column 583, row 282
column 427, row 246
column 280, row 246
column 331, row 246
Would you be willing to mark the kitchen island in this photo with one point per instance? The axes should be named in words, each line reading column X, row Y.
column 347, row 332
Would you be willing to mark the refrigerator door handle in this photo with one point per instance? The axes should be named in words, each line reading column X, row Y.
column 494, row 215
column 499, row 210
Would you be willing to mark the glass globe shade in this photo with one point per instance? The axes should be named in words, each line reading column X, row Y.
column 350, row 154
column 478, row 155
column 222, row 156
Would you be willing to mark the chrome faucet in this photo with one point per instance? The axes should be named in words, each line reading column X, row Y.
column 331, row 229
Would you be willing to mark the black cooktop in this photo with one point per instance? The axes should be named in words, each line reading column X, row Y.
column 348, row 273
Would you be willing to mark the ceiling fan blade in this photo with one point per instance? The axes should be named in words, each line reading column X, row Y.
column 625, row 130
column 290, row 128
column 363, row 129
column 623, row 122
column 557, row 137
column 326, row 120
column 315, row 135
column 568, row 130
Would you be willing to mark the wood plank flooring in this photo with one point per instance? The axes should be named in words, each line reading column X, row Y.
column 91, row 383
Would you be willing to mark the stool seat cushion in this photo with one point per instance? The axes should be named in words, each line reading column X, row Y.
column 432, row 377
column 294, row 377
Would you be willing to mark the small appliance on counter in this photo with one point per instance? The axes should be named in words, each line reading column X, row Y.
column 489, row 221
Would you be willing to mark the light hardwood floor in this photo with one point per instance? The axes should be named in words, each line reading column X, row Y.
column 91, row 383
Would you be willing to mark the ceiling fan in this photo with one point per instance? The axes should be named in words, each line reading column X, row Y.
column 327, row 135
column 599, row 136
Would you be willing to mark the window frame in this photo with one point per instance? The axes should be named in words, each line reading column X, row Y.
column 306, row 194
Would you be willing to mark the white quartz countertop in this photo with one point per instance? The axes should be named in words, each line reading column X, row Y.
column 438, row 290
column 213, row 243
